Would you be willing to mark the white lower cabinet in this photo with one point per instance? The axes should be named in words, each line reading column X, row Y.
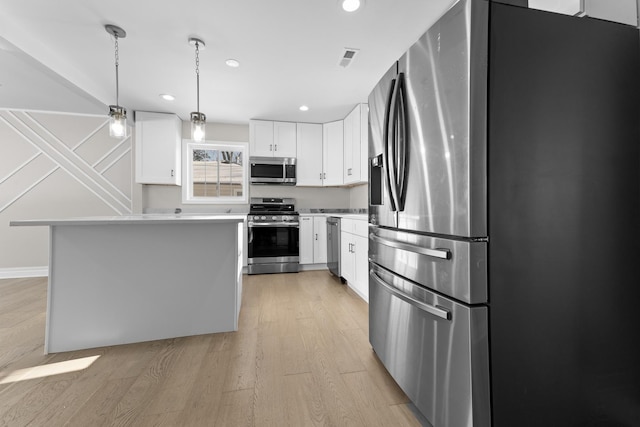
column 306, row 239
column 320, row 240
column 354, row 250
column 313, row 239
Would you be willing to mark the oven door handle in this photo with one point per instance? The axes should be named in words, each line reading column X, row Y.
column 273, row 224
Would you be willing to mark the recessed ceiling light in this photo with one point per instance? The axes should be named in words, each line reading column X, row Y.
column 167, row 97
column 232, row 63
column 350, row 5
column 304, row 108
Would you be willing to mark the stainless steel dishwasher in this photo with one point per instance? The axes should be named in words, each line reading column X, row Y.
column 333, row 245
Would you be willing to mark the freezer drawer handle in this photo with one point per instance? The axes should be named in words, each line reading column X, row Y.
column 434, row 310
column 435, row 253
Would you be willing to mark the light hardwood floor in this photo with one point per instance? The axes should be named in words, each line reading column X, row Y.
column 301, row 357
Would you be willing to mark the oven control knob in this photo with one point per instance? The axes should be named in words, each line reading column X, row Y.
column 274, row 218
column 264, row 217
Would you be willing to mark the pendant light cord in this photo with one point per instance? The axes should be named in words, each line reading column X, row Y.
column 197, row 77
column 117, row 63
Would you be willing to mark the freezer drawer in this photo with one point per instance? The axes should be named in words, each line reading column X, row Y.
column 456, row 268
column 435, row 349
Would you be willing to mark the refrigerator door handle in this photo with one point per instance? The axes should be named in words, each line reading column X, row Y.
column 400, row 118
column 434, row 253
column 434, row 310
column 389, row 160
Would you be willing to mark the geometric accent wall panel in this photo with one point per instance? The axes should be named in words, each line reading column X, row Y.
column 34, row 145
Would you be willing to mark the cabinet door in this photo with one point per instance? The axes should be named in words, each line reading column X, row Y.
column 284, row 139
column 352, row 146
column 346, row 257
column 309, row 154
column 332, row 159
column 260, row 138
column 320, row 239
column 348, row 142
column 158, row 148
column 364, row 143
column 306, row 240
column 360, row 283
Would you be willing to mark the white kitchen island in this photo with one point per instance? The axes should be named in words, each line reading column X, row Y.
column 124, row 279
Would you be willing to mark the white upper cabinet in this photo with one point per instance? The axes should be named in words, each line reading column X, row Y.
column 272, row 139
column 332, row 153
column 158, row 148
column 284, row 139
column 623, row 11
column 356, row 145
column 309, row 164
column 260, row 138
column 364, row 142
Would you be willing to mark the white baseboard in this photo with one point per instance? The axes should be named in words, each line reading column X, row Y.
column 20, row 272
column 309, row 267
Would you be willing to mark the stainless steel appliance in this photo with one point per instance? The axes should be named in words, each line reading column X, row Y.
column 273, row 236
column 273, row 170
column 505, row 205
column 333, row 245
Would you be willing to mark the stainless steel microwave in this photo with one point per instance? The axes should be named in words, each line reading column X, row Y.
column 273, row 170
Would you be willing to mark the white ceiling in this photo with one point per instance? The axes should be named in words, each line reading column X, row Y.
column 56, row 55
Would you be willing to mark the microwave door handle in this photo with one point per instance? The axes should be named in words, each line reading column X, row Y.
column 431, row 309
column 388, row 155
column 401, row 142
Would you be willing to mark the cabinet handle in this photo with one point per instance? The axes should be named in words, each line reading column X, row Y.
column 171, row 172
column 320, row 175
column 316, row 236
column 325, row 175
column 276, row 147
column 349, row 171
column 270, row 147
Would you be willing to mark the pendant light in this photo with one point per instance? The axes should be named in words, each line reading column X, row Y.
column 198, row 119
column 117, row 114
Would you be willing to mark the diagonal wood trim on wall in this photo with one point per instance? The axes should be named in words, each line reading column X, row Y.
column 91, row 176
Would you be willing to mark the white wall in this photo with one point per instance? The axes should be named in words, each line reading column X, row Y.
column 57, row 166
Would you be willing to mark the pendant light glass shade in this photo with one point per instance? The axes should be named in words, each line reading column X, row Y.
column 117, row 114
column 198, row 119
column 117, row 121
column 198, row 125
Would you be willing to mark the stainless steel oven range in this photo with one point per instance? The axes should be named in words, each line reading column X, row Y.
column 273, row 236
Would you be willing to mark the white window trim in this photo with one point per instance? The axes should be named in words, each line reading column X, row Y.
column 187, row 186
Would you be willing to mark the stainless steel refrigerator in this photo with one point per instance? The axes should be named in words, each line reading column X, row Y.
column 504, row 210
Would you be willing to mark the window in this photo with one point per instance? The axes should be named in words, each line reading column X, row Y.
column 215, row 172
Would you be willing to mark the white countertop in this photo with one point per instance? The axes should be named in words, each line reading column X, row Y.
column 134, row 219
column 362, row 217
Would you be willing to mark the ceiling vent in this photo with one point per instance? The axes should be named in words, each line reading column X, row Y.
column 347, row 56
